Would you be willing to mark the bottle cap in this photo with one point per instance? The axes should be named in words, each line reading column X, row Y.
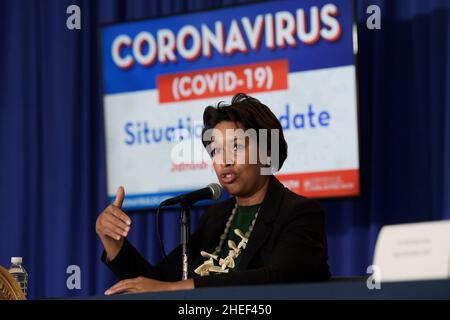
column 16, row 260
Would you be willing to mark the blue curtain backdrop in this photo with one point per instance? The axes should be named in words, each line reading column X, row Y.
column 52, row 166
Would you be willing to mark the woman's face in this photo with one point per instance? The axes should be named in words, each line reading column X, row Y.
column 234, row 160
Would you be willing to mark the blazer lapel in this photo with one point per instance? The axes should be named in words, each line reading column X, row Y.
column 264, row 223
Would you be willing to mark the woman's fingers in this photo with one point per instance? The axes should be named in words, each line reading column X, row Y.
column 142, row 284
column 114, row 223
column 111, row 225
column 120, row 196
column 119, row 214
column 112, row 235
column 122, row 286
column 112, row 220
column 114, row 230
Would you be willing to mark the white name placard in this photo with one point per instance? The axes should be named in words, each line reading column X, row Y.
column 408, row 252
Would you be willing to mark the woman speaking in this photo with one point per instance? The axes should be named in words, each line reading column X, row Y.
column 263, row 234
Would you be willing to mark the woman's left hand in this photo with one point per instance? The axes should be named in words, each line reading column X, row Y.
column 142, row 284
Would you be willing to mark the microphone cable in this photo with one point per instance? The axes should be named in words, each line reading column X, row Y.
column 158, row 234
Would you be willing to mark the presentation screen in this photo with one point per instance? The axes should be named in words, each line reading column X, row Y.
column 297, row 57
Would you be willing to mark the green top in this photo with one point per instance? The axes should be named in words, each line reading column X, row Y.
column 242, row 221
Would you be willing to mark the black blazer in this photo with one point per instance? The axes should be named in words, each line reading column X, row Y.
column 288, row 244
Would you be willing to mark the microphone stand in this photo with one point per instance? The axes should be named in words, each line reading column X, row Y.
column 185, row 234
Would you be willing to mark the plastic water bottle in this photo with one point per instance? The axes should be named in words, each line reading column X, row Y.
column 19, row 273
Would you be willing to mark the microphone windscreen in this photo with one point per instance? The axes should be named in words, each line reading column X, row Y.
column 216, row 190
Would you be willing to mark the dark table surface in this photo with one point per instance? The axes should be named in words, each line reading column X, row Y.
column 355, row 288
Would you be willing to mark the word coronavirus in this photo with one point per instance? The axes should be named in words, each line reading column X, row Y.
column 190, row 42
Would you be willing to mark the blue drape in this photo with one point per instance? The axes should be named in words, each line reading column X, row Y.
column 52, row 166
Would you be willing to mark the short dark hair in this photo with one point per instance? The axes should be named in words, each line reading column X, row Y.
column 249, row 112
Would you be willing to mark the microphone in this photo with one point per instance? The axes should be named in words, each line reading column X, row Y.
column 213, row 191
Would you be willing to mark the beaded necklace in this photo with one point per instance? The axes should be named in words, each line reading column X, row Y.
column 235, row 250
